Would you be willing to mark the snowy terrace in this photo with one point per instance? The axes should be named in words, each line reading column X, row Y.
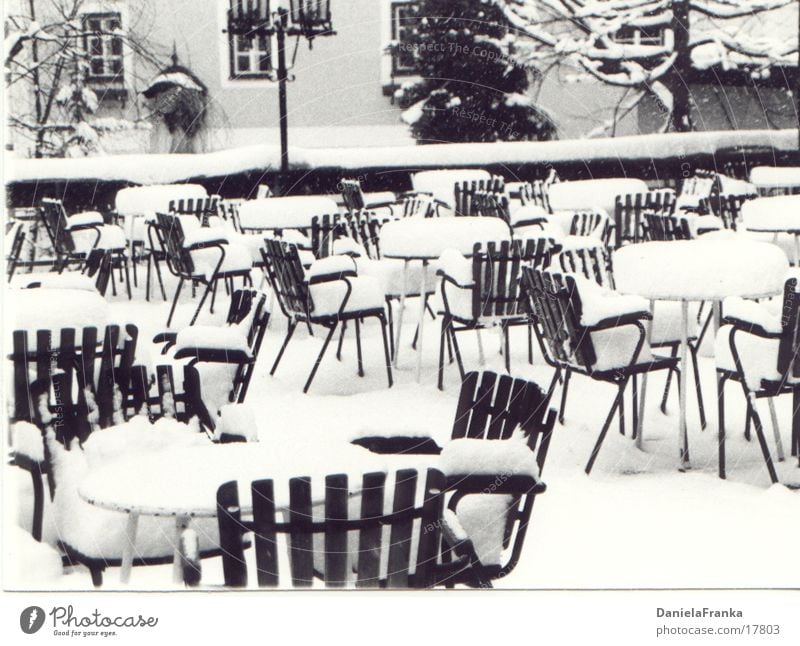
column 641, row 519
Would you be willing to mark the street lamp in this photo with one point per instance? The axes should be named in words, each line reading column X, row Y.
column 306, row 18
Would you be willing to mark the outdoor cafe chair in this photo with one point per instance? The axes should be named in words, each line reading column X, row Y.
column 607, row 343
column 629, row 210
column 340, row 538
column 14, row 240
column 757, row 346
column 237, row 344
column 464, row 193
column 202, row 256
column 329, row 294
column 484, row 292
column 75, row 238
column 595, row 264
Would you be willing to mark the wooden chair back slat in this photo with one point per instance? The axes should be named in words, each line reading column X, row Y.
column 325, row 230
column 465, row 192
column 629, row 225
column 593, row 263
column 171, row 238
column 369, row 540
column 54, row 218
column 202, row 208
column 352, row 195
column 336, row 548
column 400, row 538
column 666, row 227
column 301, row 538
column 266, row 542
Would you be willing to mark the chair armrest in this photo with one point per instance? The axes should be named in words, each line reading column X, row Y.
column 214, row 355
column 494, row 484
column 631, row 318
column 447, row 278
column 207, row 244
column 750, row 328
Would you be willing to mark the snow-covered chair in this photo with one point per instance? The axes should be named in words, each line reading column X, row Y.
column 629, row 226
column 757, row 346
column 601, row 336
column 330, row 293
column 202, row 255
column 464, row 193
column 217, row 365
column 591, row 224
column 14, row 239
column 727, row 207
column 340, row 540
column 76, row 237
column 484, row 292
column 203, row 208
column 697, row 190
column 595, row 265
column 357, row 234
column 493, row 465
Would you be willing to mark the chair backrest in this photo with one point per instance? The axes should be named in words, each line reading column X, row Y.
column 286, row 277
column 325, row 229
column 14, row 239
column 703, row 184
column 535, row 193
column 593, row 263
column 72, row 378
column 352, row 195
column 171, row 238
column 263, row 191
column 464, row 193
column 789, row 344
column 54, row 219
column 491, row 205
column 589, row 223
column 629, row 212
column 492, row 407
column 365, row 228
column 327, row 540
column 420, row 205
column 202, row 208
column 666, row 227
column 557, row 310
column 496, row 275
column 727, row 207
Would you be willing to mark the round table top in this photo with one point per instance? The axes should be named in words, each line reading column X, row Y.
column 699, row 270
column 427, row 238
column 775, row 177
column 184, row 481
column 592, row 193
column 772, row 214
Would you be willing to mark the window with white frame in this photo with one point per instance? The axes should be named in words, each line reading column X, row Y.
column 104, row 47
column 628, row 35
column 250, row 57
column 404, row 21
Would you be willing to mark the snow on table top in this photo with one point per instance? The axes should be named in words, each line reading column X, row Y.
column 147, row 200
column 775, row 177
column 442, row 183
column 779, row 213
column 592, row 193
column 284, row 212
column 67, row 280
column 698, row 270
column 429, row 237
column 54, row 309
column 185, row 481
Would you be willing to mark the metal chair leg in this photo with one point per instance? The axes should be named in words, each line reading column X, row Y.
column 386, row 353
column 459, row 361
column 674, row 353
column 358, row 349
column 796, row 424
column 507, row 348
column 319, row 359
column 762, row 441
column 175, row 301
column 289, row 333
column 203, row 299
column 776, row 431
column 721, row 379
column 635, row 402
column 445, row 334
column 341, row 341
column 604, row 430
column 391, row 325
column 564, row 390
column 700, row 405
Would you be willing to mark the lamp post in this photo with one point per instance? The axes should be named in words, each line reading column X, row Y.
column 306, row 18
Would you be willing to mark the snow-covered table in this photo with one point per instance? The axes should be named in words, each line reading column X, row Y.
column 284, row 212
column 425, row 239
column 697, row 270
column 770, row 180
column 779, row 214
column 442, row 183
column 182, row 483
column 592, row 193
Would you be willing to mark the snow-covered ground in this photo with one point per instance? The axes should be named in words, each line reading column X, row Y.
column 637, row 521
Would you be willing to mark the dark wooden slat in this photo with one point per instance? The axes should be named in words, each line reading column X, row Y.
column 400, row 540
column 463, row 410
column 370, row 539
column 482, row 405
column 266, row 545
column 301, row 544
column 230, row 535
column 23, row 406
column 430, row 529
column 336, row 552
column 497, row 425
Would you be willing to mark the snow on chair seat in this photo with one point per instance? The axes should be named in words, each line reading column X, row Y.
column 757, row 346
